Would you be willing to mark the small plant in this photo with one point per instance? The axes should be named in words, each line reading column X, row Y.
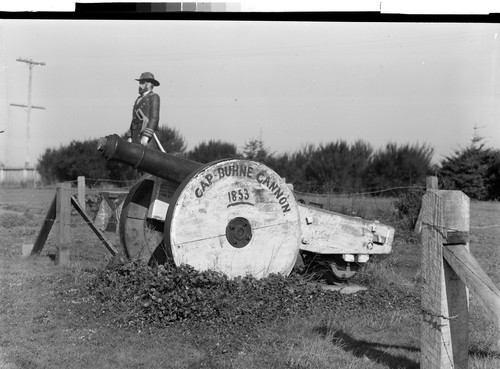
column 92, row 202
column 408, row 206
column 10, row 220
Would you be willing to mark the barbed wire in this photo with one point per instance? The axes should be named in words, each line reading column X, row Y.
column 352, row 194
column 485, row 227
column 393, row 222
column 57, row 221
column 128, row 183
column 346, row 190
column 116, row 214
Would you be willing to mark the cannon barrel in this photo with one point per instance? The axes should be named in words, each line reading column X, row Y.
column 154, row 162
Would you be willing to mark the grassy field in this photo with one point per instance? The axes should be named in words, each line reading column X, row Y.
column 50, row 319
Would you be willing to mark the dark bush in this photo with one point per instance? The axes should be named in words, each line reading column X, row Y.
column 171, row 140
column 493, row 177
column 475, row 170
column 399, row 166
column 338, row 166
column 139, row 294
column 81, row 158
column 69, row 162
column 408, row 205
column 207, row 152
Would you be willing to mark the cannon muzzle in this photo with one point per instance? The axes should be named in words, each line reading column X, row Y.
column 162, row 165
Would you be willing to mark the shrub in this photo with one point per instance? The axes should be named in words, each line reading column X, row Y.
column 407, row 206
column 475, row 170
column 141, row 295
column 131, row 294
column 81, row 158
column 399, row 166
column 338, row 166
column 15, row 219
column 207, row 152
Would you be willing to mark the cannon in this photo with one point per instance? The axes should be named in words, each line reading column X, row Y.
column 235, row 216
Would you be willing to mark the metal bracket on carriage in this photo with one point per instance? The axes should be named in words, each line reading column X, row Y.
column 379, row 239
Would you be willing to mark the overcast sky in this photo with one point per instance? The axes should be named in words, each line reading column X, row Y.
column 291, row 83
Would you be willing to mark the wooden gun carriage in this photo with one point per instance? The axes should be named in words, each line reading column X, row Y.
column 235, row 216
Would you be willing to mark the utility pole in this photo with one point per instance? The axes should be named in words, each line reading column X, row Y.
column 29, row 106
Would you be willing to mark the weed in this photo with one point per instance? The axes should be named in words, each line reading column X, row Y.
column 15, row 219
column 407, row 207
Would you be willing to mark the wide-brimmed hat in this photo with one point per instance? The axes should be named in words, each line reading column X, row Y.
column 148, row 77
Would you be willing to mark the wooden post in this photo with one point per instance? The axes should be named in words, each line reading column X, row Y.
column 431, row 183
column 434, row 347
column 63, row 223
column 456, row 214
column 26, row 249
column 444, row 326
column 46, row 227
column 81, row 192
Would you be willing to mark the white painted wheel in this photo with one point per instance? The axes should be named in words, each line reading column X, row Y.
column 237, row 217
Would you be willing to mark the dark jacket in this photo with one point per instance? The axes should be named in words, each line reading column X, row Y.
column 145, row 117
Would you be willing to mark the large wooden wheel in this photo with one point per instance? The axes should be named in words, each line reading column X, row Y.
column 139, row 236
column 237, row 217
column 141, row 233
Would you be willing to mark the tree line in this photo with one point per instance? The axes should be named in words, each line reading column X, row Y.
column 334, row 167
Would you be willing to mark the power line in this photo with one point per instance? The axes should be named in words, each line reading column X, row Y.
column 28, row 106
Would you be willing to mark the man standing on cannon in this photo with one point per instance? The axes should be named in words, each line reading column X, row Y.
column 146, row 113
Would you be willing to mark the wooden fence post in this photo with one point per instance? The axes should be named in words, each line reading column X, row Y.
column 63, row 223
column 456, row 221
column 444, row 325
column 46, row 227
column 81, row 192
column 431, row 183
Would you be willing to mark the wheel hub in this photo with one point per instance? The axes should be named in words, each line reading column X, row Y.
column 239, row 232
